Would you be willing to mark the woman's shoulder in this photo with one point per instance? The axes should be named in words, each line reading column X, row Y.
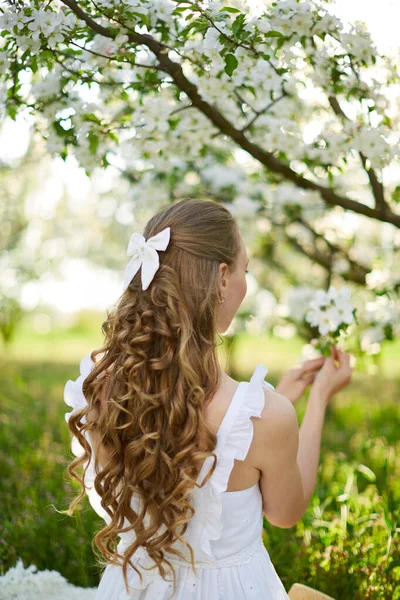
column 277, row 421
column 274, row 411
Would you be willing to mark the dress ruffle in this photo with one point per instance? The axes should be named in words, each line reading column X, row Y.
column 73, row 393
column 236, row 444
column 75, row 398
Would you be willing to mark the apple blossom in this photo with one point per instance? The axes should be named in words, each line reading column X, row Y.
column 330, row 312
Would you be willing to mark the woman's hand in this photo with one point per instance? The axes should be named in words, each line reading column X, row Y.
column 295, row 381
column 334, row 375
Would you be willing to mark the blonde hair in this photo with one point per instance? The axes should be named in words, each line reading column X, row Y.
column 160, row 352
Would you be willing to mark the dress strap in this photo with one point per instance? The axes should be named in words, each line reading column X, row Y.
column 225, row 427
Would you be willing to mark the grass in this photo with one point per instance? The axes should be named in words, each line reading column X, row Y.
column 347, row 544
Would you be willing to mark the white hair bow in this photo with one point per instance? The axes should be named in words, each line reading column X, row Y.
column 144, row 253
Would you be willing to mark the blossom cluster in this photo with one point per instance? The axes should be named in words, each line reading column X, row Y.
column 31, row 25
column 20, row 583
column 335, row 317
column 382, row 322
column 330, row 311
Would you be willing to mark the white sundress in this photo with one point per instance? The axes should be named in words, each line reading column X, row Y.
column 226, row 530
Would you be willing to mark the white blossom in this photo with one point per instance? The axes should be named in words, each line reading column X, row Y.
column 221, row 176
column 154, row 114
column 26, row 42
column 20, row 583
column 214, row 6
column 370, row 339
column 162, row 9
column 288, row 195
column 327, row 24
column 358, row 42
column 383, row 311
column 43, row 21
column 374, row 146
column 243, row 207
column 101, row 45
column 328, row 310
column 211, row 42
column 295, row 302
column 379, row 279
column 49, row 86
column 4, row 63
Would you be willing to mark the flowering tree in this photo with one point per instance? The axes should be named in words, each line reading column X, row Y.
column 171, row 92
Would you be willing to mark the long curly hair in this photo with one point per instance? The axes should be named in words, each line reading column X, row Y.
column 161, row 360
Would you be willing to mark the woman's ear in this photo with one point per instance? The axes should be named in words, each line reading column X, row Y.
column 223, row 267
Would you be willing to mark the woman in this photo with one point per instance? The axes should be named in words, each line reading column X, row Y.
column 181, row 460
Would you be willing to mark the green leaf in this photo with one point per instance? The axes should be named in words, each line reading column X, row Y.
column 93, row 142
column 91, row 117
column 141, row 17
column 252, row 90
column 230, row 64
column 230, row 9
column 61, row 132
column 198, row 25
column 271, row 34
column 12, row 111
column 396, row 194
column 173, row 123
column 388, row 330
column 238, row 24
column 34, row 65
column 388, row 522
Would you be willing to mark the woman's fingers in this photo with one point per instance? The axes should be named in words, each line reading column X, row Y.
column 310, row 378
column 314, row 363
column 337, row 354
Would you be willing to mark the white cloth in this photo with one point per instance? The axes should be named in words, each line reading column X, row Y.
column 226, row 530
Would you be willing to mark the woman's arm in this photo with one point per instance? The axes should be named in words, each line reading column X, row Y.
column 310, row 432
column 288, row 457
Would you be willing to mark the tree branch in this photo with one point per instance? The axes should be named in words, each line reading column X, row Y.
column 376, row 185
column 315, row 255
column 264, row 157
column 357, row 273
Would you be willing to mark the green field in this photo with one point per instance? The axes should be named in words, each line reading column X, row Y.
column 347, row 544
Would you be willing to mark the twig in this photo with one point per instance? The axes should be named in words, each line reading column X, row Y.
column 262, row 111
column 156, row 67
